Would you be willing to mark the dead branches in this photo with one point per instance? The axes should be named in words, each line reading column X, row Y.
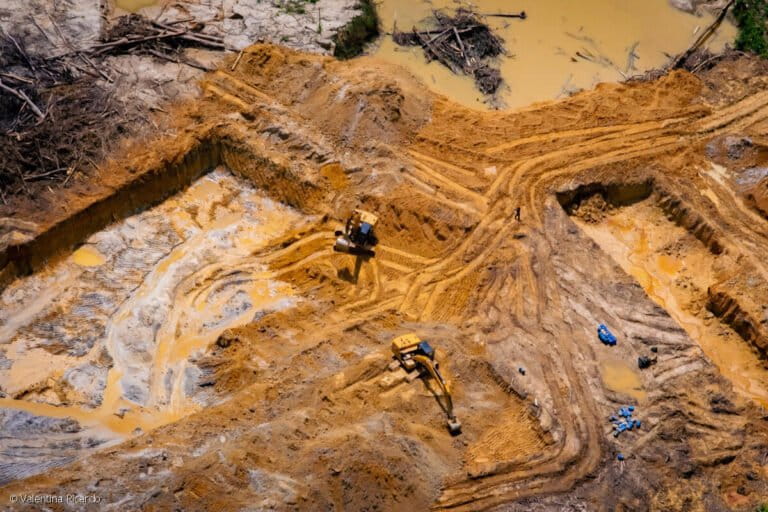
column 135, row 33
column 679, row 61
column 53, row 118
column 20, row 94
column 58, row 114
column 461, row 43
column 521, row 15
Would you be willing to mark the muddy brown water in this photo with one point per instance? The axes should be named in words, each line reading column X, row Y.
column 134, row 5
column 620, row 376
column 108, row 335
column 561, row 47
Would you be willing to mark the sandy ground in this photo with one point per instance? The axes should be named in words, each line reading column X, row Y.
column 301, row 411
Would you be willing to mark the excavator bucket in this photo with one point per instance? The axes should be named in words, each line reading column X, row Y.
column 454, row 426
column 358, row 237
column 343, row 244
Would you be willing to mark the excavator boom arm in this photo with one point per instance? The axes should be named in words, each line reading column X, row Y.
column 430, row 366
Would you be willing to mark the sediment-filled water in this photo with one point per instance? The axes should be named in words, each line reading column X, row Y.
column 561, row 47
column 107, row 336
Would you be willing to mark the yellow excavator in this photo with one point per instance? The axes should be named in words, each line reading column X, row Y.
column 413, row 353
column 358, row 236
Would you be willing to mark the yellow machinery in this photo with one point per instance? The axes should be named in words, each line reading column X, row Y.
column 413, row 353
column 358, row 236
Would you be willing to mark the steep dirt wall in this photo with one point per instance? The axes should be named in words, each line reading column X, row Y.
column 170, row 173
column 615, row 194
column 686, row 217
column 343, row 109
column 274, row 178
column 741, row 313
column 737, row 298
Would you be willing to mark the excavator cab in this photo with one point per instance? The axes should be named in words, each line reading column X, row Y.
column 413, row 353
column 408, row 345
column 358, row 236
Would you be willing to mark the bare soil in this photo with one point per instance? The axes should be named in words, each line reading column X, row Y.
column 302, row 412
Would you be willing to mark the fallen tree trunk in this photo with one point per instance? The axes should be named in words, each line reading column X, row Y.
column 706, row 34
column 521, row 15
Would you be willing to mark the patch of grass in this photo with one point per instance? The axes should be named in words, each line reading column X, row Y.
column 752, row 16
column 352, row 37
column 762, row 508
column 296, row 6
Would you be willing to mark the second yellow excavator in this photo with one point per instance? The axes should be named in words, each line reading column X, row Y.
column 413, row 353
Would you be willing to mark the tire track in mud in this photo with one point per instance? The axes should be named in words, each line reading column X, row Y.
column 497, row 489
column 527, row 183
column 613, row 144
column 527, row 179
column 576, row 454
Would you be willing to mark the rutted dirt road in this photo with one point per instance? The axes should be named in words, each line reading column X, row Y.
column 302, row 412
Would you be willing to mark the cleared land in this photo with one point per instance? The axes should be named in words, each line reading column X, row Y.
column 298, row 407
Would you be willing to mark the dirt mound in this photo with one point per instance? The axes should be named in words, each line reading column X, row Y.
column 375, row 474
column 355, row 102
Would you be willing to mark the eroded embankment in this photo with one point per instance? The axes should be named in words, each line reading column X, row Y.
column 155, row 182
column 684, row 264
column 160, row 178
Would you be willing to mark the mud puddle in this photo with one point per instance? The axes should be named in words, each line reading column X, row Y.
column 560, row 48
column 108, row 336
column 134, row 5
column 621, row 377
column 675, row 270
column 88, row 256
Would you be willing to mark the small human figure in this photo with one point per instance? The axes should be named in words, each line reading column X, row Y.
column 517, row 213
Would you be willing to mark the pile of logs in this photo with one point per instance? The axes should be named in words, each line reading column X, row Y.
column 54, row 119
column 462, row 43
column 58, row 112
column 137, row 34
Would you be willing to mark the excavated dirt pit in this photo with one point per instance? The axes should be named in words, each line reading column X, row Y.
column 296, row 408
column 108, row 337
column 676, row 269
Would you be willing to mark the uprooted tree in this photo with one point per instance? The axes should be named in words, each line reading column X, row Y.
column 462, row 43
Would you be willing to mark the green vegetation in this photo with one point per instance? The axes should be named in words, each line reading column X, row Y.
column 752, row 16
column 762, row 508
column 352, row 37
column 296, row 6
